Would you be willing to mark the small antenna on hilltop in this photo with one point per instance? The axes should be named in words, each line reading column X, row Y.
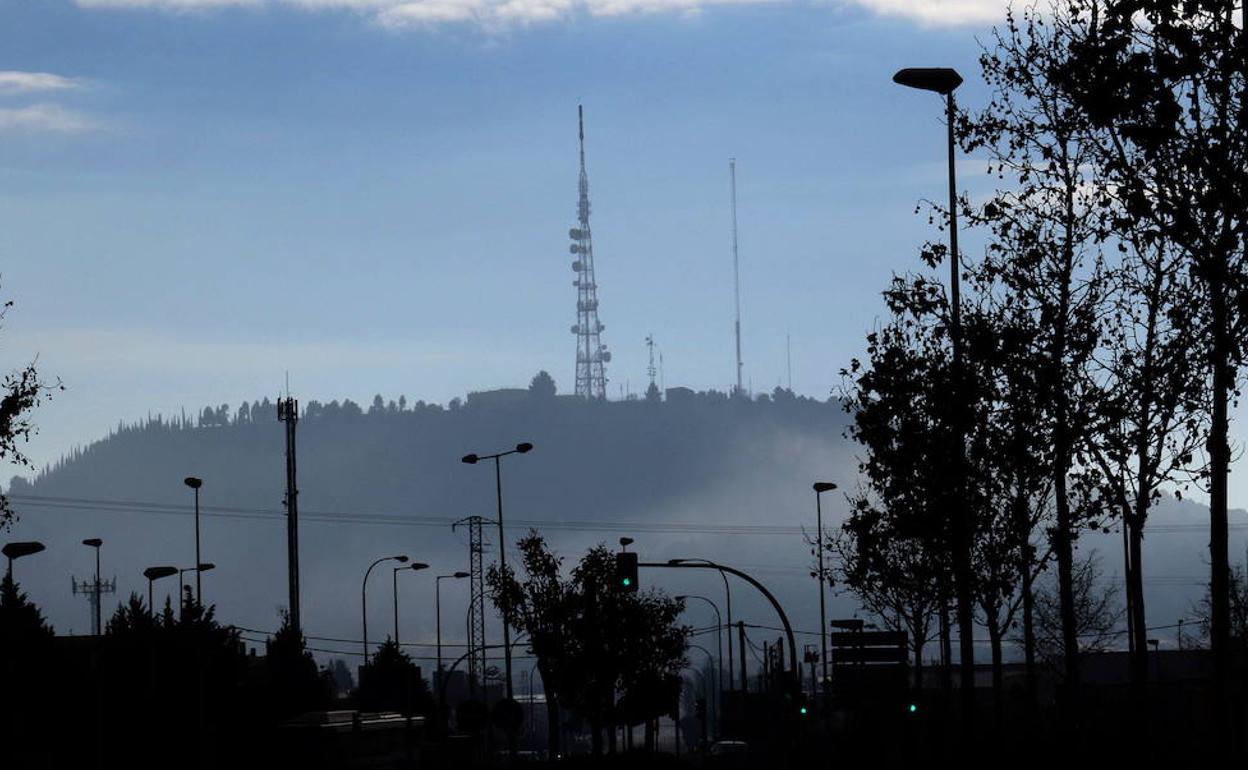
column 650, row 370
column 736, row 277
column 788, row 357
column 287, row 383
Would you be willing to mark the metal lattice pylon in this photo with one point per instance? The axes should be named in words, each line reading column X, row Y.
column 476, row 604
column 591, row 354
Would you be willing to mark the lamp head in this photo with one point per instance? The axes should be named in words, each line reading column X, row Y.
column 204, row 566
column 461, row 575
column 193, row 482
column 155, row 573
column 942, row 80
column 523, row 447
column 823, row 486
column 418, row 565
column 94, row 542
column 18, row 550
column 402, row 559
column 469, row 459
column 626, row 541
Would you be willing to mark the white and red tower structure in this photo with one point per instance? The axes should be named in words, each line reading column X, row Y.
column 591, row 355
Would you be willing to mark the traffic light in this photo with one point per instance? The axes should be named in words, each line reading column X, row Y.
column 626, row 571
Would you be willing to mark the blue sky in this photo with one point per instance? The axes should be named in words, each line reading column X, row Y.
column 197, row 196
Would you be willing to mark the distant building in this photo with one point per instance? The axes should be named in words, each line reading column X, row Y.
column 679, row 395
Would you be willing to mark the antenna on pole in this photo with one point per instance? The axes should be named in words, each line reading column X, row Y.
column 591, row 354
column 788, row 357
column 736, row 275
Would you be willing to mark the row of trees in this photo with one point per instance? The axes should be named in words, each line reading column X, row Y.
column 1102, row 329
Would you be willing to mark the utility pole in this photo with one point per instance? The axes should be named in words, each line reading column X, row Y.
column 288, row 412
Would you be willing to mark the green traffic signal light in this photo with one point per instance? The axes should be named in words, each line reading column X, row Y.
column 803, row 710
column 914, row 707
column 628, row 582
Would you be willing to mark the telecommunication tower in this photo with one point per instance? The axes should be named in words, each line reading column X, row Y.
column 93, row 592
column 476, row 604
column 650, row 370
column 591, row 354
column 288, row 412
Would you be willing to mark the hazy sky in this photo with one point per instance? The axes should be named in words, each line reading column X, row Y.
column 199, row 195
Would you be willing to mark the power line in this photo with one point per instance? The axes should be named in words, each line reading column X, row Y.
column 355, row 517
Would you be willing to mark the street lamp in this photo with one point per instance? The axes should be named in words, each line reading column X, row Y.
column 945, row 81
column 201, row 568
column 437, row 603
column 195, row 484
column 719, row 641
column 364, row 597
column 415, row 566
column 727, row 608
column 95, row 542
column 820, row 487
column 153, row 574
column 18, row 550
column 523, row 447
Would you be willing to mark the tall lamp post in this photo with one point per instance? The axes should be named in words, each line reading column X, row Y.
column 95, row 542
column 195, row 484
column 437, row 604
column 18, row 550
column 414, row 566
column 820, row 487
column 945, row 81
column 473, row 459
column 153, row 574
column 364, row 597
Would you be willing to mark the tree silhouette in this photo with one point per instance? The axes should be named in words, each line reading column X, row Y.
column 542, row 385
column 1165, row 82
column 295, row 685
column 20, row 393
column 391, row 682
column 607, row 654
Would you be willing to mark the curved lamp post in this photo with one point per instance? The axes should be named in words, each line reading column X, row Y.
column 945, row 81
column 20, row 549
column 364, row 597
column 472, row 459
column 820, row 487
column 437, row 603
column 153, row 574
column 95, row 542
column 727, row 610
column 414, row 566
column 195, row 484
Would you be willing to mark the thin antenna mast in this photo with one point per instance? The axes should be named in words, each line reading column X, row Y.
column 736, row 275
column 788, row 357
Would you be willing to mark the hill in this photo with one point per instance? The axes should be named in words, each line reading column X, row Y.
column 696, row 475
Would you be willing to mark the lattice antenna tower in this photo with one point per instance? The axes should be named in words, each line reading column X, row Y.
column 288, row 413
column 650, row 369
column 94, row 591
column 591, row 354
column 476, row 604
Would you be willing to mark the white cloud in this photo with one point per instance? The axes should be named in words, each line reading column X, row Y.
column 403, row 13
column 946, row 12
column 44, row 118
column 13, row 82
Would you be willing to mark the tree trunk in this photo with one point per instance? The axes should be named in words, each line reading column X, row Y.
column 1219, row 467
column 998, row 678
column 1029, row 635
column 552, row 721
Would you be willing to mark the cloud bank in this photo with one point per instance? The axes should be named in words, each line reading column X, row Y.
column 14, row 82
column 44, row 118
column 406, row 13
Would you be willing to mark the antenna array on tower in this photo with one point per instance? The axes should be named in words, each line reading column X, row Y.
column 591, row 354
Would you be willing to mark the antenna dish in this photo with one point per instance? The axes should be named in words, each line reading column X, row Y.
column 575, row 234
